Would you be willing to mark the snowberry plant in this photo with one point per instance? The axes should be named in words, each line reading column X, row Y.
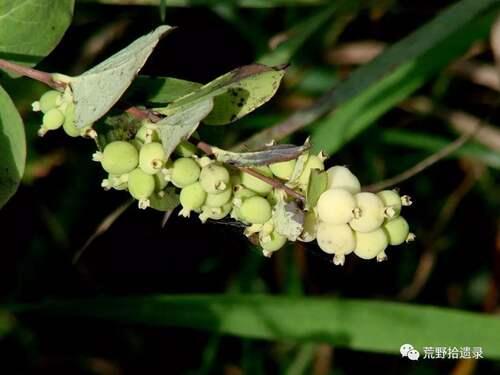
column 280, row 193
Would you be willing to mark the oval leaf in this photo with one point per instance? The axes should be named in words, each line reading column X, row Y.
column 180, row 125
column 30, row 29
column 12, row 148
column 235, row 94
column 99, row 88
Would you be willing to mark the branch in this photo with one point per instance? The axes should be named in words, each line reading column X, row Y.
column 37, row 75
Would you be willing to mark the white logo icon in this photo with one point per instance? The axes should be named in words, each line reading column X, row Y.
column 409, row 351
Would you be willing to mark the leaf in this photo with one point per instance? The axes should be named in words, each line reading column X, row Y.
column 179, row 126
column 375, row 326
column 159, row 90
column 272, row 154
column 12, row 148
column 167, row 202
column 299, row 167
column 99, row 88
column 288, row 219
column 31, row 29
column 241, row 3
column 235, row 93
column 318, row 182
column 433, row 143
column 404, row 67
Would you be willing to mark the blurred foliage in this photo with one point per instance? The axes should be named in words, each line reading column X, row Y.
column 455, row 264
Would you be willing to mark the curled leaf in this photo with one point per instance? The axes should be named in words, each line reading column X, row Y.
column 288, row 219
column 272, row 154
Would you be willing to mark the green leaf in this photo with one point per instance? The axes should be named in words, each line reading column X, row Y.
column 404, row 67
column 235, row 93
column 159, row 90
column 272, row 154
column 433, row 143
column 31, row 29
column 166, row 202
column 12, row 148
column 375, row 326
column 288, row 219
column 241, row 3
column 180, row 125
column 99, row 88
column 318, row 182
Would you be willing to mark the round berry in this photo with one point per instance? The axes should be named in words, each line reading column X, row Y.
column 151, row 157
column 313, row 162
column 119, row 157
column 283, row 169
column 341, row 177
column 141, row 185
column 255, row 210
column 214, row 178
column 397, row 230
column 271, row 242
column 50, row 100
column 336, row 239
column 192, row 197
column 370, row 244
column 186, row 149
column 69, row 126
column 336, row 206
column 369, row 213
column 219, row 199
column 53, row 119
column 147, row 133
column 185, row 171
column 256, row 184
column 392, row 203
column 215, row 213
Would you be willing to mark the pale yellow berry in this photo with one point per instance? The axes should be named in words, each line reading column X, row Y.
column 369, row 212
column 370, row 244
column 341, row 177
column 398, row 231
column 336, row 206
column 337, row 239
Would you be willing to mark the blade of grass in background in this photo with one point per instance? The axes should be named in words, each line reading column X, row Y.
column 376, row 87
column 190, row 3
column 433, row 143
column 374, row 326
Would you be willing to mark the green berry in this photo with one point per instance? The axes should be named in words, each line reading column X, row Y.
column 53, row 119
column 392, row 203
column 147, row 133
column 398, row 231
column 310, row 227
column 336, row 206
column 119, row 157
column 151, row 157
column 192, row 197
column 186, row 149
column 240, row 192
column 219, row 199
column 256, row 184
column 283, row 169
column 215, row 213
column 271, row 242
column 255, row 210
column 313, row 162
column 341, row 177
column 371, row 244
column 50, row 100
column 69, row 126
column 185, row 171
column 369, row 212
column 141, row 185
column 337, row 239
column 214, row 178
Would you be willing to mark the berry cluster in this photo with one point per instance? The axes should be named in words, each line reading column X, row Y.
column 59, row 111
column 361, row 222
column 342, row 218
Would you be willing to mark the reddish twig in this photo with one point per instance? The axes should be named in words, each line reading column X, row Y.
column 37, row 75
column 143, row 114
